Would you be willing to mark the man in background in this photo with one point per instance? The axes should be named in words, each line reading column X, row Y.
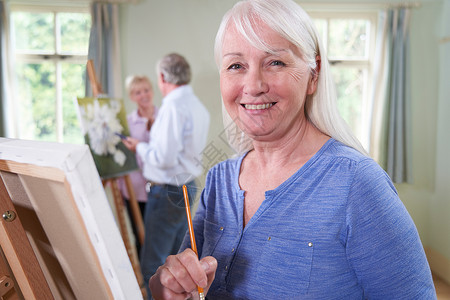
column 171, row 159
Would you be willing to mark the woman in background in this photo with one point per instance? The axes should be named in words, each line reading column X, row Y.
column 302, row 212
column 140, row 91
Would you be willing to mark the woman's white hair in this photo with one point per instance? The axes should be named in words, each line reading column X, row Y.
column 289, row 20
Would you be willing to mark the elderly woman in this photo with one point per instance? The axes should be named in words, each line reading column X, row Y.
column 302, row 213
column 140, row 91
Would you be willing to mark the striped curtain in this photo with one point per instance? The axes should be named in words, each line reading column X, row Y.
column 104, row 48
column 391, row 123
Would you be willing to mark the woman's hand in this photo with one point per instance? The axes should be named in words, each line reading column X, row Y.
column 130, row 143
column 179, row 277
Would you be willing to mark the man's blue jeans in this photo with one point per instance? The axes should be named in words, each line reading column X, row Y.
column 165, row 225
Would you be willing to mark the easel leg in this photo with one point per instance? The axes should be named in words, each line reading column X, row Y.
column 118, row 202
column 136, row 211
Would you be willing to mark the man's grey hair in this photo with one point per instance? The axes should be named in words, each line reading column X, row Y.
column 175, row 69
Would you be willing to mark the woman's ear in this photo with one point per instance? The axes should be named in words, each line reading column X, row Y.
column 312, row 86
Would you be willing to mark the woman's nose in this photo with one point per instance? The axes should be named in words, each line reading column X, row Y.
column 255, row 82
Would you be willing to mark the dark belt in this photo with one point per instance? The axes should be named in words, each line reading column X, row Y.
column 149, row 185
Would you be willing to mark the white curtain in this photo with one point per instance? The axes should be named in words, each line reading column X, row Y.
column 378, row 92
column 104, row 49
column 391, row 124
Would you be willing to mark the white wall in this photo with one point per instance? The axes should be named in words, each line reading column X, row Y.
column 428, row 198
column 439, row 231
column 424, row 96
column 153, row 28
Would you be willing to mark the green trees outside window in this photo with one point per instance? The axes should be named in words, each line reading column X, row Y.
column 349, row 40
column 50, row 71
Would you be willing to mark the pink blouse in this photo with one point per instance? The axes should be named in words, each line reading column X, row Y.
column 138, row 130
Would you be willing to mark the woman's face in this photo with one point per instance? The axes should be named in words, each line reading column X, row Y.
column 142, row 94
column 264, row 93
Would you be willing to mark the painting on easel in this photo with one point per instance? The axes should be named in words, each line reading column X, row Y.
column 103, row 121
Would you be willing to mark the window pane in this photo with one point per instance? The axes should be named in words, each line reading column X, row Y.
column 74, row 32
column 73, row 78
column 348, row 38
column 37, row 112
column 349, row 84
column 33, row 32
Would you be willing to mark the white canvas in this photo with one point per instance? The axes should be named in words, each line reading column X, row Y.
column 78, row 170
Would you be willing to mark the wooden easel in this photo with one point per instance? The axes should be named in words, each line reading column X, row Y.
column 118, row 200
column 20, row 255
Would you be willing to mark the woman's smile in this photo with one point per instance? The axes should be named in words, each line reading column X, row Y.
column 262, row 106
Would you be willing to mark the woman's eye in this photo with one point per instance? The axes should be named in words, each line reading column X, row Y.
column 234, row 67
column 277, row 63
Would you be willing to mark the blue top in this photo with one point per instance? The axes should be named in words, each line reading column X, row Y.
column 336, row 229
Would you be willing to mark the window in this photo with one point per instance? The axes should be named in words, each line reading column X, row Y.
column 349, row 39
column 50, row 47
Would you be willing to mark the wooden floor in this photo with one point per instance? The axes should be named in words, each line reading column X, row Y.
column 442, row 288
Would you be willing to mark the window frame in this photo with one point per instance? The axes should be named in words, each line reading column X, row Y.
column 372, row 15
column 57, row 57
